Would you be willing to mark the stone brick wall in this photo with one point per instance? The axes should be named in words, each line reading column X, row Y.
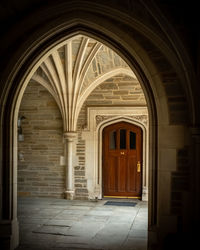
column 80, row 182
column 104, row 61
column 180, row 181
column 119, row 90
column 39, row 170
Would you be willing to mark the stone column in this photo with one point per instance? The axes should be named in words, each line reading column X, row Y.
column 69, row 137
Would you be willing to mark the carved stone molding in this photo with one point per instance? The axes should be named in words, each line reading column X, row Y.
column 141, row 118
column 101, row 118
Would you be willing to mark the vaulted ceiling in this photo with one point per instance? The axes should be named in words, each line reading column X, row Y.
column 72, row 70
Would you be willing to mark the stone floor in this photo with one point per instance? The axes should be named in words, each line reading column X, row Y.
column 56, row 224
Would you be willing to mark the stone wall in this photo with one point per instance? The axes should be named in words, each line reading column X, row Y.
column 180, row 182
column 80, row 182
column 119, row 90
column 39, row 170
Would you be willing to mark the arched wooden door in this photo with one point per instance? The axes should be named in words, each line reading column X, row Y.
column 122, row 160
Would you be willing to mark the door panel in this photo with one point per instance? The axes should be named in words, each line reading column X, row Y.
column 122, row 174
column 122, row 150
column 112, row 173
column 131, row 174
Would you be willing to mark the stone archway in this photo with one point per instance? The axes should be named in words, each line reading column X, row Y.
column 70, row 71
column 168, row 98
column 69, row 136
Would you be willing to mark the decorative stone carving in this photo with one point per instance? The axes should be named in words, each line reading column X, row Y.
column 100, row 118
column 141, row 118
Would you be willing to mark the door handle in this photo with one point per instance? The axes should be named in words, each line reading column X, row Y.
column 138, row 167
column 122, row 153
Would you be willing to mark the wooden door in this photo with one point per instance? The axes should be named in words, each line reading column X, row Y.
column 122, row 160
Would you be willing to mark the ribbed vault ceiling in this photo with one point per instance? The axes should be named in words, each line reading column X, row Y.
column 74, row 69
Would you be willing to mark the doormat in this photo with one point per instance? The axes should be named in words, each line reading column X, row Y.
column 121, row 203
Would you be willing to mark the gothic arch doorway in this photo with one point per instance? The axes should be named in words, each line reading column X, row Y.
column 50, row 69
column 122, row 161
column 108, row 117
column 47, row 66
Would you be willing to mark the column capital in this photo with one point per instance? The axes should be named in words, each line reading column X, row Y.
column 69, row 135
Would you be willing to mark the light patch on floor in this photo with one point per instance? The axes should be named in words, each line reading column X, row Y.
column 57, row 224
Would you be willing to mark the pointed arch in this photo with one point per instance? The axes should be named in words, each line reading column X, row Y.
column 97, row 82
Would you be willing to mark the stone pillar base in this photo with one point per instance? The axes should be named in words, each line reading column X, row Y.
column 153, row 238
column 144, row 194
column 69, row 195
column 9, row 234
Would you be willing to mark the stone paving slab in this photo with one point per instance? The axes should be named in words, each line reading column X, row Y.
column 95, row 218
column 135, row 244
column 52, row 224
column 60, row 222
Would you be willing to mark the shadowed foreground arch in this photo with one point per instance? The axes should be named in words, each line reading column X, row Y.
column 171, row 100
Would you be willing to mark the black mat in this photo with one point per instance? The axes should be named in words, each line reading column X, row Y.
column 121, row 203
